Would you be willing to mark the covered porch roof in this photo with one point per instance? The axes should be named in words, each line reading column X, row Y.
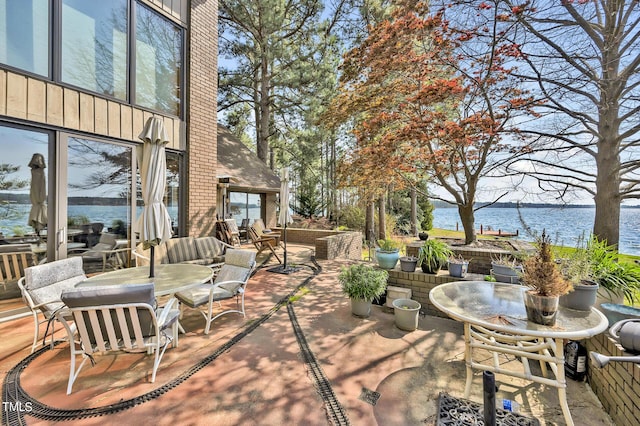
column 245, row 171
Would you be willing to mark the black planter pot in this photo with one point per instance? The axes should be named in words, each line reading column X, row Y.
column 431, row 269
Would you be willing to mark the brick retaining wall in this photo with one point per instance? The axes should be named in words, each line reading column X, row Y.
column 617, row 385
column 328, row 244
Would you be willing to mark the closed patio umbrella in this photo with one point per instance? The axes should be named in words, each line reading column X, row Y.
column 154, row 223
column 284, row 218
column 38, row 194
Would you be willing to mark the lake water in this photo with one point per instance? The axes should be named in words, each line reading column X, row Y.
column 564, row 225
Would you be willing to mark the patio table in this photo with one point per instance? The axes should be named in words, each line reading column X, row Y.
column 495, row 320
column 169, row 278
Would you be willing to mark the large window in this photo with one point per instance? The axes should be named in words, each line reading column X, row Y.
column 98, row 190
column 24, row 35
column 158, row 62
column 100, row 49
column 94, row 46
column 21, row 189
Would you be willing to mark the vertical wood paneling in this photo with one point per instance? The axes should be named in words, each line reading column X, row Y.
column 126, row 122
column 114, row 119
column 55, row 107
column 16, row 95
column 3, row 92
column 101, row 116
column 137, row 123
column 71, row 109
column 168, row 125
column 36, row 100
column 87, row 113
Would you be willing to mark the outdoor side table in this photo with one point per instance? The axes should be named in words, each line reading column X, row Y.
column 495, row 320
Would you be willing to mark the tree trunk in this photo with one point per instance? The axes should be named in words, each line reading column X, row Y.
column 262, row 148
column 468, row 222
column 414, row 212
column 382, row 234
column 606, row 225
column 369, row 227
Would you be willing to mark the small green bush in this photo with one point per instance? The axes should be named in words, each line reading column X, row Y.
column 361, row 281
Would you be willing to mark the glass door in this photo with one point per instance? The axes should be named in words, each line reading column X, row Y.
column 98, row 193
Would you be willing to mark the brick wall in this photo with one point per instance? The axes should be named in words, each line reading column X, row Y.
column 201, row 182
column 617, row 385
column 328, row 244
column 421, row 284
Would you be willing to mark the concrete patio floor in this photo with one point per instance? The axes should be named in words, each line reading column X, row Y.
column 263, row 379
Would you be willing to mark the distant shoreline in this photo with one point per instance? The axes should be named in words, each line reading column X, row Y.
column 442, row 204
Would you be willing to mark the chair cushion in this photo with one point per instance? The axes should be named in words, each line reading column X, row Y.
column 45, row 283
column 114, row 295
column 238, row 265
column 209, row 248
column 181, row 249
column 242, row 258
column 198, row 296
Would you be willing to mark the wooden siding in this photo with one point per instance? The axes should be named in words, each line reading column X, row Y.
column 26, row 98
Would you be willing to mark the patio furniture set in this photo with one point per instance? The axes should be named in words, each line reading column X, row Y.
column 118, row 310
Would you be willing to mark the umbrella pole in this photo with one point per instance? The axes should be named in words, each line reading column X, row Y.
column 285, row 245
column 152, row 267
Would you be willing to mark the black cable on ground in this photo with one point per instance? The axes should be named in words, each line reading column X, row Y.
column 14, row 396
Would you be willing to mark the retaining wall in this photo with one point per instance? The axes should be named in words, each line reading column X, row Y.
column 328, row 244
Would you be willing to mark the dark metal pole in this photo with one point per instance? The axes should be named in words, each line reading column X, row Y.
column 489, row 391
column 152, row 266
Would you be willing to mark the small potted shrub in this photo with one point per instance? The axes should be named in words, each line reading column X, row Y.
column 546, row 284
column 362, row 283
column 458, row 266
column 506, row 268
column 433, row 255
column 577, row 268
column 387, row 254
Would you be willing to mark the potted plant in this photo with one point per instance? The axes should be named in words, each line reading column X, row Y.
column 406, row 312
column 433, row 255
column 387, row 254
column 408, row 263
column 577, row 268
column 546, row 284
column 362, row 283
column 458, row 266
column 506, row 268
column 617, row 280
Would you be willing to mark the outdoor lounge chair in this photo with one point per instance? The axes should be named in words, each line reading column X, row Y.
column 235, row 232
column 42, row 287
column 117, row 318
column 230, row 282
column 262, row 231
column 263, row 243
column 14, row 258
column 105, row 251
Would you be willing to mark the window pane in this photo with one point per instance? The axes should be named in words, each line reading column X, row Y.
column 98, row 190
column 18, row 148
column 24, row 35
column 158, row 62
column 94, row 46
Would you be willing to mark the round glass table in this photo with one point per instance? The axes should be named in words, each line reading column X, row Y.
column 495, row 320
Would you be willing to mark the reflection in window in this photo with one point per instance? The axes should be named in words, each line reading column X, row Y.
column 94, row 45
column 158, row 62
column 171, row 198
column 18, row 147
column 244, row 206
column 99, row 190
column 24, row 35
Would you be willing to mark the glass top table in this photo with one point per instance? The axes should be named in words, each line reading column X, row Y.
column 495, row 320
column 169, row 278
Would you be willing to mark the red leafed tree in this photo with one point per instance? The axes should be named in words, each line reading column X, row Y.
column 429, row 98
